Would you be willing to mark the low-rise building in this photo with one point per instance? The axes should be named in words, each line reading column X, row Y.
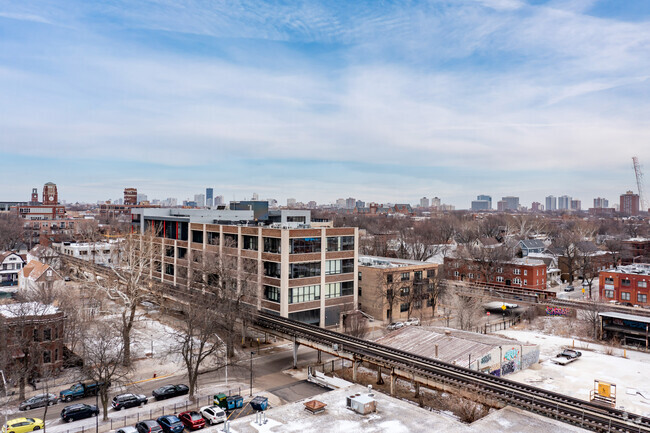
column 407, row 281
column 525, row 273
column 39, row 277
column 625, row 284
column 10, row 265
column 32, row 334
column 100, row 253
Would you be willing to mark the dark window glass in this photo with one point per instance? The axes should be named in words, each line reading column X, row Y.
column 169, row 269
column 347, row 265
column 47, row 357
column 347, row 288
column 304, row 270
column 389, row 278
column 47, row 334
column 213, row 238
column 182, row 252
column 304, row 245
column 272, row 293
column 405, row 276
column 272, row 269
column 272, row 245
column 230, row 240
column 250, row 242
column 625, row 282
column 197, row 236
column 304, row 294
column 431, row 273
column 417, row 275
column 169, row 251
column 403, row 307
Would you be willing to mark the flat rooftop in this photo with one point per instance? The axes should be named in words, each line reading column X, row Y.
column 636, row 269
column 625, row 316
column 389, row 262
column 392, row 416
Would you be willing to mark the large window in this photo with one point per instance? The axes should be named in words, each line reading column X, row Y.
column 182, row 252
column 197, row 236
column 347, row 288
column 625, row 296
column 272, row 293
column 250, row 242
column 609, row 294
column 304, row 245
column 304, row 270
column 169, row 269
column 609, row 280
column 272, row 269
column 641, row 284
column 625, row 282
column 230, row 240
column 169, row 251
column 517, row 271
column 405, row 276
column 417, row 275
column 332, row 290
column 347, row 266
column 640, row 297
column 389, row 278
column 213, row 238
column 404, row 307
column 431, row 273
column 344, row 266
column 340, row 243
column 404, row 291
column 272, row 245
column 304, row 294
column 499, row 279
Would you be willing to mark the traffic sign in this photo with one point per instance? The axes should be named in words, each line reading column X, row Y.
column 503, row 307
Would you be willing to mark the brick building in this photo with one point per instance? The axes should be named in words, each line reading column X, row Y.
column 304, row 270
column 32, row 334
column 625, row 284
column 405, row 278
column 130, row 196
column 629, row 203
column 635, row 250
column 524, row 273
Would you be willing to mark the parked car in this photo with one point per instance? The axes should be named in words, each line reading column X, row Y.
column 171, row 424
column 125, row 401
column 569, row 353
column 569, row 289
column 23, row 425
column 395, row 325
column 127, row 429
column 213, row 414
column 80, row 390
column 169, row 391
column 412, row 321
column 192, row 419
column 148, row 426
column 79, row 411
column 39, row 400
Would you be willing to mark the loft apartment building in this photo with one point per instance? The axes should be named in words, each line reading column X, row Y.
column 524, row 273
column 408, row 281
column 625, row 284
column 305, row 270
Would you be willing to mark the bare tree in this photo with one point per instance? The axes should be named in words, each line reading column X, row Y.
column 12, row 231
column 588, row 266
column 103, row 353
column 487, row 260
column 567, row 253
column 591, row 314
column 436, row 289
column 468, row 310
column 355, row 324
column 128, row 282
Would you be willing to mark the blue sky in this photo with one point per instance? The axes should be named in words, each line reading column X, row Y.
column 382, row 101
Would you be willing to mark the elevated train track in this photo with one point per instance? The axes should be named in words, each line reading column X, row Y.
column 431, row 372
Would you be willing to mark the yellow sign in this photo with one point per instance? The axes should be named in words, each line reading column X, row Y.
column 604, row 389
column 583, row 290
column 503, row 307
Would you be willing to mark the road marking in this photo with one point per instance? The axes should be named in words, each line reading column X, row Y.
column 149, row 380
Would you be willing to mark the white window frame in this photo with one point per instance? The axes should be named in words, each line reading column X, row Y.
column 499, row 279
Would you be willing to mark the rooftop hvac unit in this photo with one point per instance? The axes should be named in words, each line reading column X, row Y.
column 361, row 404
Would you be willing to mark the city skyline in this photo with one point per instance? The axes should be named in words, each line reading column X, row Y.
column 370, row 100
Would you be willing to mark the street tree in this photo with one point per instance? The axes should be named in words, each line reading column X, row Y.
column 12, row 231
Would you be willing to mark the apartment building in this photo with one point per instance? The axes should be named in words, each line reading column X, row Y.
column 408, row 280
column 525, row 273
column 304, row 270
column 625, row 284
column 100, row 253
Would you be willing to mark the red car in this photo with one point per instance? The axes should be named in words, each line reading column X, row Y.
column 192, row 419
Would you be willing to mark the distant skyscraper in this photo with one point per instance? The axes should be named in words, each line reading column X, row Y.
column 629, row 203
column 486, row 198
column 350, row 202
column 480, row 205
column 424, row 202
column 601, row 203
column 435, row 203
column 551, row 203
column 576, row 205
column 512, row 203
column 536, row 207
column 564, row 202
column 360, row 204
column 340, row 203
column 209, row 197
column 199, row 199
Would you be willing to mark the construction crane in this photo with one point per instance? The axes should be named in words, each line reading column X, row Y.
column 639, row 182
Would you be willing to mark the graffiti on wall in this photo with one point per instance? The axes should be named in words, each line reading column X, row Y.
column 557, row 311
column 511, row 355
column 487, row 358
column 508, row 367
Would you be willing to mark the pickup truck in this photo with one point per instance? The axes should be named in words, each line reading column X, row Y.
column 80, row 390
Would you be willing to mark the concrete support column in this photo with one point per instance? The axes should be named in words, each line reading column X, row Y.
column 320, row 356
column 355, row 368
column 295, row 353
column 417, row 389
column 380, row 380
column 393, row 383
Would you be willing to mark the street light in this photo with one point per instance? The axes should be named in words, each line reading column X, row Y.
column 251, row 391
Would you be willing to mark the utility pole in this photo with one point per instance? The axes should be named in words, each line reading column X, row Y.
column 251, row 390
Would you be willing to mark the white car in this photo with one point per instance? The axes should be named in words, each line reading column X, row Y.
column 412, row 321
column 395, row 325
column 213, row 414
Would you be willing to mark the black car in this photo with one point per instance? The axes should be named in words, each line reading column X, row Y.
column 569, row 354
column 75, row 412
column 148, row 426
column 169, row 391
column 39, row 400
column 125, row 401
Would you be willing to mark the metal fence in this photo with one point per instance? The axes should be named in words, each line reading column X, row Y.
column 144, row 413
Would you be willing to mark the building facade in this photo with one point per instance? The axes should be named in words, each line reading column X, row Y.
column 100, row 253
column 408, row 280
column 130, row 196
column 625, row 284
column 303, row 271
column 629, row 204
column 523, row 273
column 551, row 203
column 50, row 194
column 635, row 250
column 10, row 265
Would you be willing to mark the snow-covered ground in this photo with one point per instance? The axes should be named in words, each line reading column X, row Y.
column 598, row 361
